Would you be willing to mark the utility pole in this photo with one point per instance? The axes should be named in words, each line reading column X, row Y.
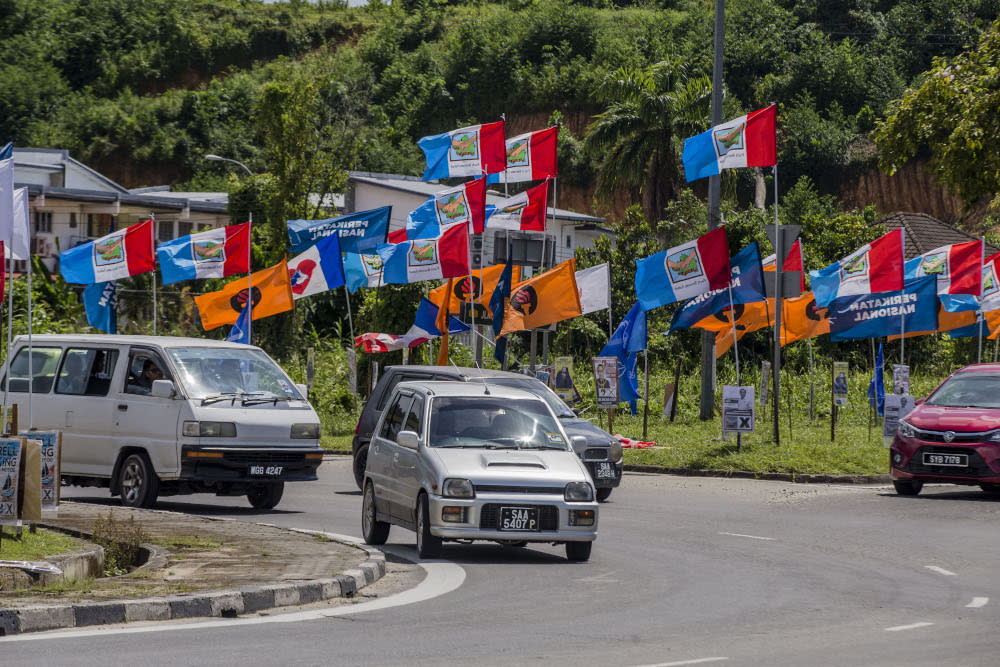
column 714, row 191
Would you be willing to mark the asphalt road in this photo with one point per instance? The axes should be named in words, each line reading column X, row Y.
column 685, row 571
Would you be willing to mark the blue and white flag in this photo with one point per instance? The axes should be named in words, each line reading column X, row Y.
column 629, row 338
column 464, row 204
column 318, row 269
column 362, row 231
column 876, row 388
column 501, row 294
column 446, row 256
column 215, row 253
column 101, row 303
column 877, row 315
column 424, row 329
column 362, row 270
column 747, row 287
column 240, row 333
column 683, row 272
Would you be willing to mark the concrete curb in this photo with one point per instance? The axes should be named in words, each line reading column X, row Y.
column 226, row 604
column 801, row 478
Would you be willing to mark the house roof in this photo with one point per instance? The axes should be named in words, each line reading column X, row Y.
column 416, row 186
column 59, row 159
column 923, row 233
column 159, row 200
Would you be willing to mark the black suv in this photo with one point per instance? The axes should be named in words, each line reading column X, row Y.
column 600, row 452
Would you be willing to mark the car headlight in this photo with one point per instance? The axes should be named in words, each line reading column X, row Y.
column 305, row 431
column 616, row 451
column 193, row 429
column 578, row 492
column 458, row 488
column 906, row 430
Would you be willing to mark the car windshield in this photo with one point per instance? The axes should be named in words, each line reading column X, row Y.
column 493, row 423
column 538, row 388
column 968, row 390
column 215, row 372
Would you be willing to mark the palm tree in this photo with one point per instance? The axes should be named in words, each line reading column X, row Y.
column 639, row 136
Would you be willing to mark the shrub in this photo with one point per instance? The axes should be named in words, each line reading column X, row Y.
column 121, row 540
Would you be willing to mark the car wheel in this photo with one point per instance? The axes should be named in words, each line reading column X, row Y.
column 428, row 546
column 908, row 487
column 578, row 551
column 992, row 489
column 137, row 483
column 373, row 530
column 360, row 463
column 265, row 496
column 603, row 494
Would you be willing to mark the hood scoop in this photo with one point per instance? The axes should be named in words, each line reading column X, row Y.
column 512, row 460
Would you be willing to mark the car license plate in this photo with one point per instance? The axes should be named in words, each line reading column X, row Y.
column 605, row 470
column 519, row 518
column 266, row 471
column 957, row 460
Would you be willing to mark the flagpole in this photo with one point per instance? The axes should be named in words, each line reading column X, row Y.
column 250, row 280
column 779, row 261
column 31, row 351
column 10, row 328
column 350, row 320
column 982, row 260
column 152, row 217
column 902, row 314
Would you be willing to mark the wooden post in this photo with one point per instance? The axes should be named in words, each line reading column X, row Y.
column 677, row 390
column 611, row 421
column 833, row 407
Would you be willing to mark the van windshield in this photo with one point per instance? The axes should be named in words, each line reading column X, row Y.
column 213, row 371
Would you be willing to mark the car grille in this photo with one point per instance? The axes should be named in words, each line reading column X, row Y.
column 499, row 488
column 265, row 457
column 977, row 467
column 595, row 454
column 548, row 516
column 938, row 436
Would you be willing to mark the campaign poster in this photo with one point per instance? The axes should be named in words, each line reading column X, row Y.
column 738, row 409
column 896, row 407
column 51, row 467
column 606, row 381
column 840, row 382
column 765, row 381
column 900, row 379
column 669, row 397
column 563, row 382
column 10, row 465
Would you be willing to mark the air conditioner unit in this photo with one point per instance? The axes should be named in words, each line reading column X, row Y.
column 41, row 247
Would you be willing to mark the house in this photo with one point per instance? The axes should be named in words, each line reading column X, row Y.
column 923, row 233
column 70, row 204
column 565, row 230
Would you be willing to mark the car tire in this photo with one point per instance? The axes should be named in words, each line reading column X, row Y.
column 374, row 531
column 578, row 552
column 360, row 463
column 138, row 484
column 908, row 487
column 265, row 496
column 428, row 546
column 604, row 494
column 992, row 489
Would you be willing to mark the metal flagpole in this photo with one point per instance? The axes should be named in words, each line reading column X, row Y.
column 250, row 279
column 152, row 217
column 31, row 351
column 10, row 328
column 779, row 262
column 350, row 320
column 979, row 315
column 902, row 305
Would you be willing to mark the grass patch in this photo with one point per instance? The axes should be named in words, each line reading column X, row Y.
column 36, row 546
column 192, row 542
column 337, row 443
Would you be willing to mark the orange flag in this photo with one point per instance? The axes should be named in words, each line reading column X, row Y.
column 946, row 322
column 484, row 281
column 992, row 323
column 749, row 317
column 442, row 323
column 545, row 299
column 801, row 319
column 272, row 291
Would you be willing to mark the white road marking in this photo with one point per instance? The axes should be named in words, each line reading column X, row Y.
column 911, row 626
column 442, row 577
column 752, row 537
column 978, row 602
column 696, row 661
column 940, row 570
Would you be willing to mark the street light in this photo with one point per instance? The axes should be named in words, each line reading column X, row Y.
column 219, row 158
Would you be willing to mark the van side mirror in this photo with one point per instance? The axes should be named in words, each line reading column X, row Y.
column 162, row 389
column 408, row 439
column 303, row 389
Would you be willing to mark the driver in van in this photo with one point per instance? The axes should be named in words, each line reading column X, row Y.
column 144, row 383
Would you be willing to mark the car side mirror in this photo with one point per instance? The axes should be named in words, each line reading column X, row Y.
column 408, row 439
column 303, row 389
column 162, row 389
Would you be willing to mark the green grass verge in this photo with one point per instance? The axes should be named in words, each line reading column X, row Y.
column 35, row 546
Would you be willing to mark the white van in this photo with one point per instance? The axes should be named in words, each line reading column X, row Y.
column 150, row 416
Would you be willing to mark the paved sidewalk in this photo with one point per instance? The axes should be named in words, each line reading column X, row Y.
column 199, row 567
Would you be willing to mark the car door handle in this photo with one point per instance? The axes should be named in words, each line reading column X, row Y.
column 123, row 406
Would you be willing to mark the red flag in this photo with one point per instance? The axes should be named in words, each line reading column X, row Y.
column 532, row 156
column 525, row 211
column 793, row 262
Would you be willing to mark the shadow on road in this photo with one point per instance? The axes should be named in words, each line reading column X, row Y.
column 196, row 509
column 485, row 554
column 970, row 494
column 347, row 493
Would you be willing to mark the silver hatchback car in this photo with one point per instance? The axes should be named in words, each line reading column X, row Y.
column 467, row 461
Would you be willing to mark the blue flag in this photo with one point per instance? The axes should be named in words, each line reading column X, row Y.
column 747, row 287
column 877, row 315
column 240, row 333
column 359, row 232
column 501, row 293
column 7, row 151
column 629, row 338
column 876, row 388
column 101, row 302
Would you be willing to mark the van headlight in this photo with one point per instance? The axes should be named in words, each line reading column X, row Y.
column 578, row 492
column 458, row 488
column 193, row 429
column 305, row 431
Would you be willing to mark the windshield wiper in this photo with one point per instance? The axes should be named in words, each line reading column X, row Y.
column 228, row 396
column 267, row 399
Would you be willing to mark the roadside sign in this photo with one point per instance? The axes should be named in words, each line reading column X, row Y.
column 765, row 381
column 606, row 380
column 51, row 467
column 738, row 409
column 896, row 407
column 10, row 467
column 900, row 379
column 840, row 382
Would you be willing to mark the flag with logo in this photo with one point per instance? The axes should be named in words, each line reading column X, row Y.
column 749, row 317
column 793, row 262
column 872, row 268
column 747, row 141
column 362, row 270
column 216, row 253
column 318, row 269
column 272, row 294
column 424, row 329
column 801, row 318
column 524, row 211
column 746, row 286
column 530, row 157
column 956, row 266
column 465, row 204
column 127, row 252
column 545, row 299
column 625, row 343
column 594, row 286
column 990, row 299
column 446, row 256
column 361, row 231
column 877, row 315
column 683, row 272
column 469, row 151
column 100, row 300
column 484, row 281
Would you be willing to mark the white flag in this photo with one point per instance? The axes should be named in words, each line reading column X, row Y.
column 6, row 198
column 594, row 285
column 19, row 244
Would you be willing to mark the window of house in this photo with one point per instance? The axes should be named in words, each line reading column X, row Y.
column 72, row 220
column 184, row 228
column 99, row 224
column 569, row 241
column 43, row 222
column 164, row 230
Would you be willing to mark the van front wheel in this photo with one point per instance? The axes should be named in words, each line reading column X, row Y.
column 265, row 496
column 137, row 482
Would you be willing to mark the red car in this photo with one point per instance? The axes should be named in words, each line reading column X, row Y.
column 952, row 436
